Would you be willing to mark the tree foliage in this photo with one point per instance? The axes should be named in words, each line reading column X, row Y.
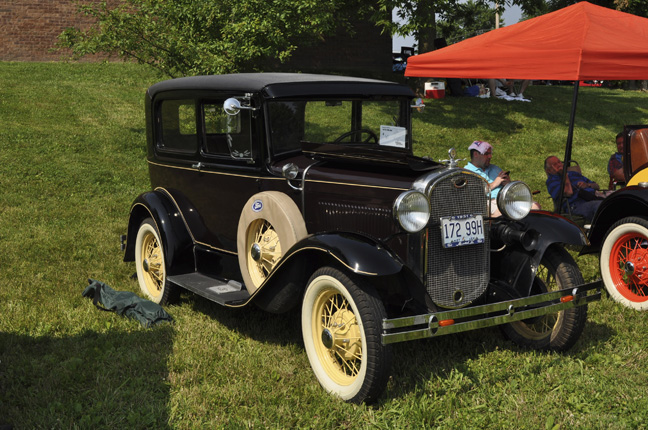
column 466, row 20
column 427, row 20
column 188, row 37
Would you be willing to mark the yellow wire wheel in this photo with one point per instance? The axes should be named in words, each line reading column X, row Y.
column 560, row 330
column 150, row 264
column 263, row 250
column 341, row 327
column 269, row 225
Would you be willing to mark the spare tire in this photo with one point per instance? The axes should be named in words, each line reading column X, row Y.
column 269, row 225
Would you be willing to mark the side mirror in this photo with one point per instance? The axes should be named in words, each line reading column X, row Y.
column 232, row 106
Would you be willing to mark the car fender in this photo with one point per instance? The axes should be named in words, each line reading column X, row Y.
column 352, row 252
column 173, row 231
column 516, row 266
column 360, row 254
column 628, row 201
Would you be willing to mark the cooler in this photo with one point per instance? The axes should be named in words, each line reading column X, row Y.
column 434, row 90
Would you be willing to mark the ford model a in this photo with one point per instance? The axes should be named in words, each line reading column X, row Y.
column 291, row 190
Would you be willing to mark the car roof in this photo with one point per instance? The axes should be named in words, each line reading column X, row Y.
column 274, row 85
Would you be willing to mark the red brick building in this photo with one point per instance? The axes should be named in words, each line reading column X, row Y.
column 29, row 30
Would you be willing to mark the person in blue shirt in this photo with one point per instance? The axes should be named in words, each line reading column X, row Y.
column 615, row 164
column 579, row 190
column 480, row 162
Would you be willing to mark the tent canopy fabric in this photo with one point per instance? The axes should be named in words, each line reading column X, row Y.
column 579, row 42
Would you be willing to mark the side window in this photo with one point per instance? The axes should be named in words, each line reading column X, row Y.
column 226, row 135
column 177, row 121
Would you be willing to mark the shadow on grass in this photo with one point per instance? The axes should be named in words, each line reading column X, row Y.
column 90, row 380
column 415, row 363
column 251, row 321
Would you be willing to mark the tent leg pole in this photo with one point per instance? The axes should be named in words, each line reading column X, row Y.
column 568, row 146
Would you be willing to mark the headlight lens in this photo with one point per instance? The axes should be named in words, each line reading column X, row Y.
column 514, row 201
column 412, row 210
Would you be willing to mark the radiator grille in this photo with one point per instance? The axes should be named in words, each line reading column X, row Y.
column 455, row 277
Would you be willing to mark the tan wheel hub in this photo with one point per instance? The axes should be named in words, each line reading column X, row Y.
column 342, row 336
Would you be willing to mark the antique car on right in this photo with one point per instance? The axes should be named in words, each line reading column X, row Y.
column 619, row 230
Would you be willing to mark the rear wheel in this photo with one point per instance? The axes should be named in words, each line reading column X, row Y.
column 624, row 262
column 341, row 326
column 150, row 264
column 557, row 331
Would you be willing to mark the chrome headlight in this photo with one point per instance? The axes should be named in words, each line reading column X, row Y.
column 412, row 210
column 514, row 200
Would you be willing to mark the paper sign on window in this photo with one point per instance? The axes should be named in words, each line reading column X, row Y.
column 393, row 136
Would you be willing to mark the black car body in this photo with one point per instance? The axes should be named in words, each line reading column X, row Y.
column 288, row 190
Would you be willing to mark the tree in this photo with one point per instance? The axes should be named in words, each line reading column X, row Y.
column 188, row 37
column 430, row 19
column 466, row 20
column 416, row 17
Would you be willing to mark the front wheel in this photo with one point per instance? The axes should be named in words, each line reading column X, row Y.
column 624, row 262
column 341, row 326
column 557, row 331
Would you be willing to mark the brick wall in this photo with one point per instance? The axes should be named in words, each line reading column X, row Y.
column 29, row 30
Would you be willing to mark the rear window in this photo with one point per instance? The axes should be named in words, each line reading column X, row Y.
column 178, row 129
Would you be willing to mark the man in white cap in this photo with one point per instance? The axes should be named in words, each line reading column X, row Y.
column 480, row 163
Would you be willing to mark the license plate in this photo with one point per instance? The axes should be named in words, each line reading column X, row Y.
column 460, row 230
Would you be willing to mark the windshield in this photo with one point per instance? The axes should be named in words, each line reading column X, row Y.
column 379, row 123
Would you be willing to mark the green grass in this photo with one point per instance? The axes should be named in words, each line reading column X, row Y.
column 72, row 156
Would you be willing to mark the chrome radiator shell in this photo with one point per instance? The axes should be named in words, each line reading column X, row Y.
column 455, row 277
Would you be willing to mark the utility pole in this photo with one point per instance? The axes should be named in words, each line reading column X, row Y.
column 497, row 14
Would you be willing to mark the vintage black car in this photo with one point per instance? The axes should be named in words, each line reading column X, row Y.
column 619, row 230
column 287, row 190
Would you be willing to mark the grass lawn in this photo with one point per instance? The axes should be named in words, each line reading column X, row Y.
column 72, row 157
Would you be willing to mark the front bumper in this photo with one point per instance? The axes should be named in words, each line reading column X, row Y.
column 472, row 318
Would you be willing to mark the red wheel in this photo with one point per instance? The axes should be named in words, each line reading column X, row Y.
column 624, row 262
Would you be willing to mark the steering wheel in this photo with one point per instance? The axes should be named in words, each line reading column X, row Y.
column 371, row 134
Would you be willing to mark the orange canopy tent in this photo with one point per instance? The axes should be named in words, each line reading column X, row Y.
column 579, row 42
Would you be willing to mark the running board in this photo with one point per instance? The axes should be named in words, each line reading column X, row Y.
column 225, row 293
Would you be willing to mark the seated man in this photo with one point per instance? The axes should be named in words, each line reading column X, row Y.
column 615, row 164
column 480, row 157
column 579, row 190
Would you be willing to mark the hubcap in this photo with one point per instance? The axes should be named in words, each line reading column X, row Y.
column 145, row 265
column 255, row 252
column 327, row 338
column 629, row 268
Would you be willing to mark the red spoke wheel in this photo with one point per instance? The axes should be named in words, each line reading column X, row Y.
column 624, row 262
